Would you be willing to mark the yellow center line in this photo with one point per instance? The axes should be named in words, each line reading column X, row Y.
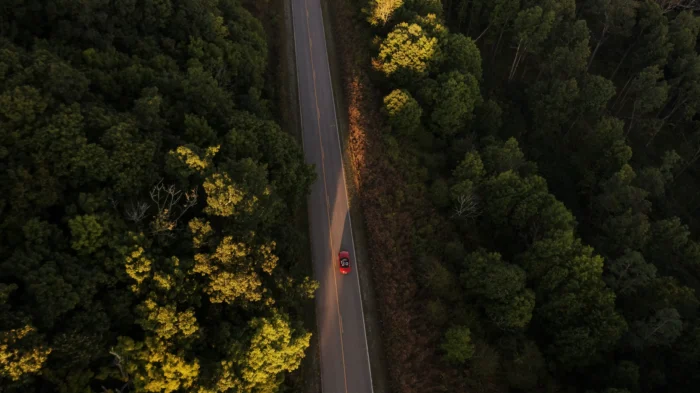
column 325, row 191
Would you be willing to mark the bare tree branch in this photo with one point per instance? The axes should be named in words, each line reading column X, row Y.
column 467, row 206
column 118, row 363
column 674, row 5
column 170, row 210
column 136, row 212
column 113, row 202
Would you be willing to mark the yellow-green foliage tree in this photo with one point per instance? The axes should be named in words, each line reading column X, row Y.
column 407, row 53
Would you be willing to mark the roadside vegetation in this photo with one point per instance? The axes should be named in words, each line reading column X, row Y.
column 533, row 165
column 148, row 202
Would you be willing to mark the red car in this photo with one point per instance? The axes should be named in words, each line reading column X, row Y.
column 344, row 259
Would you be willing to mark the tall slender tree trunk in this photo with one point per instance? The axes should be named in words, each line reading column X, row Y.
column 517, row 65
column 624, row 56
column 634, row 111
column 471, row 17
column 598, row 45
column 622, row 96
column 627, row 52
column 653, row 332
column 539, row 74
column 482, row 33
column 448, row 10
column 572, row 125
column 664, row 120
column 695, row 157
column 460, row 13
column 498, row 43
column 515, row 61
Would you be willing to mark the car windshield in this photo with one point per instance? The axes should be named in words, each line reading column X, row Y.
column 344, row 262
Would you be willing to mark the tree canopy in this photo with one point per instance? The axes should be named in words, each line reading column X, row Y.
column 147, row 202
column 547, row 191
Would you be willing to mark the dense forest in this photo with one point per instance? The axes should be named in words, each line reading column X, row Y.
column 147, row 201
column 544, row 154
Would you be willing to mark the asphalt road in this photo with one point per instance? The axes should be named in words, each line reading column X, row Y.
column 341, row 327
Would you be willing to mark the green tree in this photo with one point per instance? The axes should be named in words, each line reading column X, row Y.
column 683, row 32
column 506, row 157
column 568, row 279
column 464, row 55
column 440, row 280
column 622, row 208
column 648, row 92
column 489, row 118
column 502, row 13
column 554, row 104
column 603, row 151
column 629, row 273
column 532, row 25
column 457, row 97
column 613, row 18
column 626, row 375
column 86, row 232
column 651, row 45
column 457, row 345
column 471, row 168
column 663, row 328
column 524, row 205
column 440, row 193
column 524, row 365
column 437, row 312
column 500, row 288
column 594, row 96
column 655, row 180
column 570, row 58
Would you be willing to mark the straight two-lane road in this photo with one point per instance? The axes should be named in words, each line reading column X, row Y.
column 342, row 340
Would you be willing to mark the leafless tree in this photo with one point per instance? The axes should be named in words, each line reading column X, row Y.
column 113, row 202
column 467, row 206
column 221, row 75
column 137, row 211
column 122, row 372
column 170, row 209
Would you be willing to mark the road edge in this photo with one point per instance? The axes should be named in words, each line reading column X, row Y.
column 367, row 293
